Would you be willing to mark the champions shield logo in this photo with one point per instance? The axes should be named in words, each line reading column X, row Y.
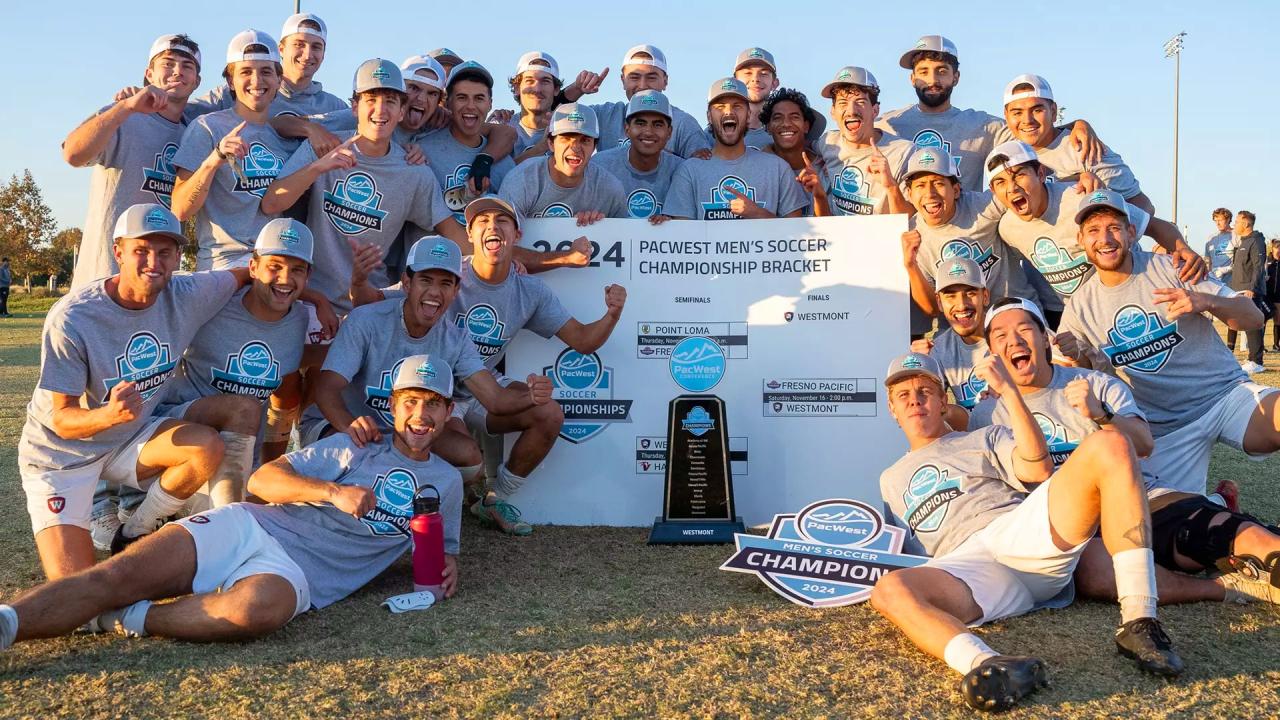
column 378, row 398
column 718, row 207
column 698, row 422
column 642, row 203
column 697, row 364
column 146, row 361
column 393, row 503
column 927, row 496
column 851, row 193
column 455, row 192
column 555, row 210
column 352, row 204
column 932, row 138
column 252, row 371
column 259, row 168
column 966, row 248
column 1140, row 341
column 158, row 179
column 1055, row 436
column 486, row 329
column 969, row 392
column 1063, row 272
column 829, row 554
column 584, row 388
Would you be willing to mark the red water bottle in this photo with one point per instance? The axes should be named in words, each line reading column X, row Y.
column 427, row 528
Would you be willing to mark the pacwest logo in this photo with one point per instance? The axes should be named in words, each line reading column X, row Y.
column 927, row 496
column 258, row 169
column 850, row 193
column 393, row 503
column 352, row 204
column 642, row 203
column 146, row 362
column 555, row 210
column 966, row 248
column 718, row 207
column 584, row 388
column 1140, row 341
column 698, row 422
column 158, row 179
column 1064, row 273
column 486, row 328
column 252, row 371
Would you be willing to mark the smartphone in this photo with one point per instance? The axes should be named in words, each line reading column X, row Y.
column 480, row 170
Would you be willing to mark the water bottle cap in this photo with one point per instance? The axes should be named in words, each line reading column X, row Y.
column 426, row 505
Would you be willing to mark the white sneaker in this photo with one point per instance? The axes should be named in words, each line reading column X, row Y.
column 102, row 528
column 1252, row 367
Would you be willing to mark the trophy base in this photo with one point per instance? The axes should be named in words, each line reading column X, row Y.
column 701, row 532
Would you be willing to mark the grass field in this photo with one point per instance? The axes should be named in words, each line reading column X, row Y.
column 590, row 621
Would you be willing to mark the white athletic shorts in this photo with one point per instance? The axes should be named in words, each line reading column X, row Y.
column 473, row 413
column 231, row 546
column 1181, row 458
column 65, row 497
column 1012, row 566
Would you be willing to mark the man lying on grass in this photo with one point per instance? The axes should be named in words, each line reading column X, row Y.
column 339, row 517
column 998, row 552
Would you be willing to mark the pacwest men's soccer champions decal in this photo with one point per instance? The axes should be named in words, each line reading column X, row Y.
column 966, row 248
column 829, row 554
column 252, row 371
column 159, row 178
column 352, row 204
column 1140, row 341
column 851, row 193
column 146, row 361
column 393, row 503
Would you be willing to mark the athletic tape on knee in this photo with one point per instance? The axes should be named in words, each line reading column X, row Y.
column 280, row 423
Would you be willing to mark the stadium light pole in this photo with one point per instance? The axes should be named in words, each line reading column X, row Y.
column 1173, row 49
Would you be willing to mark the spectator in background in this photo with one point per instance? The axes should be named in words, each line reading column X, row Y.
column 1217, row 252
column 1272, row 294
column 1248, row 277
column 6, row 279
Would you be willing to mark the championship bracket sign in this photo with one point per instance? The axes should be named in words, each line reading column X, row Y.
column 790, row 322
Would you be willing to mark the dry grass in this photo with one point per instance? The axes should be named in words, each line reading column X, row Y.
column 591, row 621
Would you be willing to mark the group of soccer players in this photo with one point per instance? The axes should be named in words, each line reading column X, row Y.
column 360, row 273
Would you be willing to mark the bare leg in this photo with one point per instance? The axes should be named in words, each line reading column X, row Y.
column 1100, row 480
column 538, row 427
column 254, row 606
column 159, row 566
column 1096, row 579
column 1263, row 433
column 64, row 550
column 456, row 445
column 184, row 455
column 930, row 606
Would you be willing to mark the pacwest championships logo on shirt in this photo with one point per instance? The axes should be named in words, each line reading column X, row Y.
column 378, row 397
column 966, row 248
column 642, row 203
column 718, row 207
column 1140, row 341
column 352, row 204
column 927, row 497
column 932, row 138
column 146, row 361
column 481, row 321
column 1056, row 437
column 851, row 193
column 252, row 370
column 259, row 168
column 1064, row 272
column 393, row 503
column 158, row 179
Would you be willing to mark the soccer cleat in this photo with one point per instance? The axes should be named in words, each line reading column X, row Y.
column 999, row 682
column 120, row 541
column 1145, row 641
column 492, row 511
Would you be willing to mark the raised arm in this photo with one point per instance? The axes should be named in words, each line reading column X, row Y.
column 590, row 337
column 1031, row 462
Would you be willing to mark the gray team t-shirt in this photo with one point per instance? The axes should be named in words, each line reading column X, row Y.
column 288, row 101
column 759, row 138
column 1049, row 241
column 1064, row 163
column 850, row 189
column 135, row 166
column 370, row 346
column 228, row 222
column 525, row 138
column 1063, row 426
column 235, row 353
column 370, row 203
column 1179, row 369
column 492, row 315
column 646, row 191
column 957, row 360
column 530, row 189
column 968, row 135
column 451, row 162
column 339, row 553
column 973, row 232
column 687, row 136
column 953, row 487
column 91, row 343
column 698, row 191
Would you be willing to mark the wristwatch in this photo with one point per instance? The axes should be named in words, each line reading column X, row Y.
column 1106, row 417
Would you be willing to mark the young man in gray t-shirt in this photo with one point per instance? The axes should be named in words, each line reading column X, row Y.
column 736, row 182
column 339, row 516
column 109, row 350
column 1138, row 316
column 962, row 300
column 998, row 551
column 643, row 165
column 130, row 145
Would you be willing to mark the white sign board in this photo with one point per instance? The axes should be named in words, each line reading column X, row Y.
column 807, row 314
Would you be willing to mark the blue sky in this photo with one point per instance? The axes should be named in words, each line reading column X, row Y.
column 64, row 60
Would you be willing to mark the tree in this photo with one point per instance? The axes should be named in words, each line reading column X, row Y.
column 62, row 251
column 26, row 226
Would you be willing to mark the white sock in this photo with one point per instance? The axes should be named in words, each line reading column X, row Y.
column 134, row 619
column 151, row 514
column 227, row 484
column 8, row 626
column 507, row 482
column 965, row 652
column 471, row 474
column 1135, row 583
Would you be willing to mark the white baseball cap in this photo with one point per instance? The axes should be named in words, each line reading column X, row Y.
column 928, row 43
column 412, row 66
column 238, row 48
column 540, row 61
column 1039, row 88
column 294, row 26
column 655, row 59
column 912, row 363
column 727, row 86
column 285, row 236
column 145, row 219
column 434, row 253
column 755, row 55
column 574, row 118
column 1099, row 199
column 424, row 372
column 1008, row 154
column 850, row 75
column 933, row 160
column 172, row 42
column 1015, row 303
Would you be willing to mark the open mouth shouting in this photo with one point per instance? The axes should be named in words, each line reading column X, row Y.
column 965, row 318
column 1019, row 360
column 574, row 160
column 932, row 209
column 419, row 429
column 1020, row 204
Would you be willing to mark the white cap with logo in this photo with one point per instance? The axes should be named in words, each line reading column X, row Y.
column 755, row 55
column 655, row 57
column 285, row 236
column 928, row 43
column 377, row 74
column 146, row 219
column 1039, row 88
column 850, row 75
column 301, row 24
column 1008, row 154
column 540, row 61
column 413, row 67
column 649, row 101
column 172, row 42
column 242, row 47
column 424, row 372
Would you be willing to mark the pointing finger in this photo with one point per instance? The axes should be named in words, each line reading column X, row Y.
column 235, row 132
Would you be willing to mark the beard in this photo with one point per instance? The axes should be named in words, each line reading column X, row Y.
column 931, row 97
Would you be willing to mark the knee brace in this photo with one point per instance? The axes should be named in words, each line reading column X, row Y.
column 1208, row 545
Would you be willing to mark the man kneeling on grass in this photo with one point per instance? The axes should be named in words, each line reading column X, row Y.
column 339, row 517
column 998, row 552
